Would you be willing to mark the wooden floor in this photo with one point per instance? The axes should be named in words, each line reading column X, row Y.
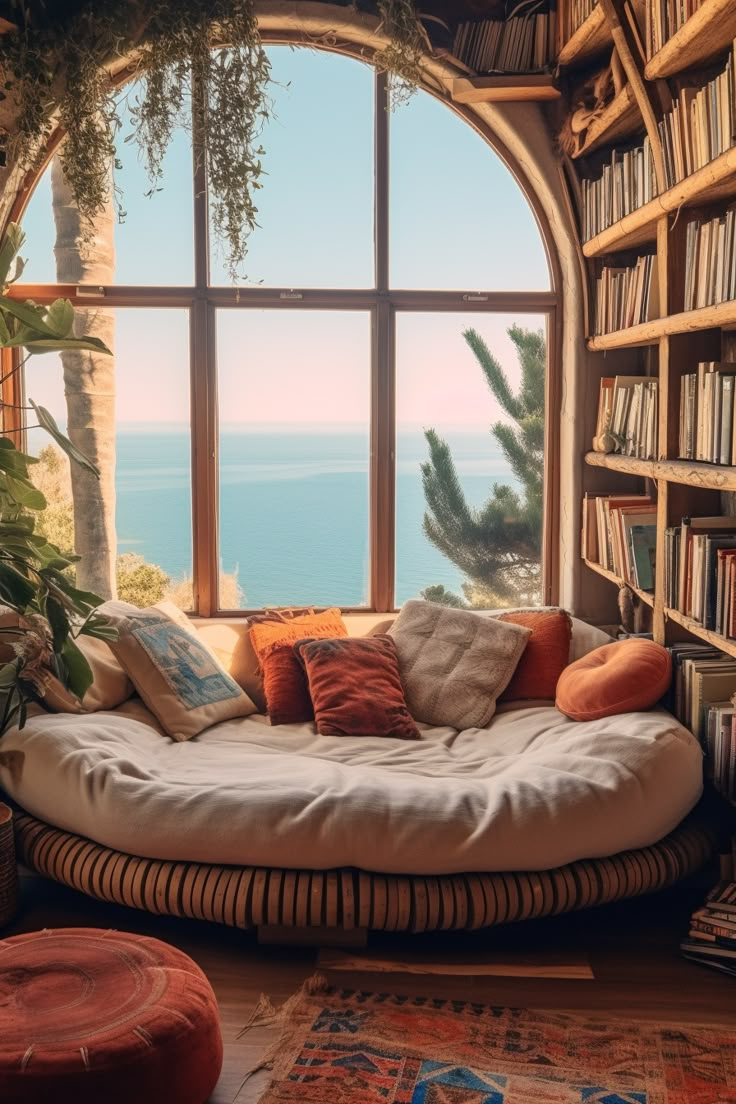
column 621, row 960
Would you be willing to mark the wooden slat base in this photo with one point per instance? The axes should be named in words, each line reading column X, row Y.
column 280, row 934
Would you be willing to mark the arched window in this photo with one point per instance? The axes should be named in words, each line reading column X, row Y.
column 270, row 438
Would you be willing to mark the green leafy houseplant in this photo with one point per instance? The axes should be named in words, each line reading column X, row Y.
column 50, row 612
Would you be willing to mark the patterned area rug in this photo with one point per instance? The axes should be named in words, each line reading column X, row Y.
column 339, row 1046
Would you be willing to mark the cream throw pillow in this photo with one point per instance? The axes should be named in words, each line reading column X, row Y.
column 453, row 663
column 176, row 674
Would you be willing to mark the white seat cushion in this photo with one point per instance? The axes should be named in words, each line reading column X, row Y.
column 532, row 791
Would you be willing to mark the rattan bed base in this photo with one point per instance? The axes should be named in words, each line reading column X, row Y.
column 251, row 897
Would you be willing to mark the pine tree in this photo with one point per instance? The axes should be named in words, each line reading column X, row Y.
column 498, row 547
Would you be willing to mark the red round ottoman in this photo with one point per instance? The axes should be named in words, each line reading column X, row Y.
column 104, row 1017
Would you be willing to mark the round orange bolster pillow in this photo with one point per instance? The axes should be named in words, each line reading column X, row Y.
column 618, row 678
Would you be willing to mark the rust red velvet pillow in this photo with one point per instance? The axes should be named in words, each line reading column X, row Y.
column 284, row 681
column 355, row 687
column 545, row 657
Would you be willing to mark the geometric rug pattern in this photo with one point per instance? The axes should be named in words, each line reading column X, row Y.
column 350, row 1047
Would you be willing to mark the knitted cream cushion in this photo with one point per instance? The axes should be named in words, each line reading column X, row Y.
column 453, row 663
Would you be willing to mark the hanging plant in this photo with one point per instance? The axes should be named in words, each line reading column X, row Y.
column 184, row 52
column 201, row 66
column 402, row 58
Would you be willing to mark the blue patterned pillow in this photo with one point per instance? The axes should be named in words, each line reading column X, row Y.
column 179, row 678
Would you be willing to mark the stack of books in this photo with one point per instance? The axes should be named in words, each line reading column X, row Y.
column 620, row 533
column 524, row 42
column 626, row 296
column 700, row 572
column 627, row 409
column 703, row 683
column 664, row 19
column 707, row 430
column 711, row 940
column 574, row 15
column 700, row 125
column 626, row 183
column 720, row 747
column 710, row 261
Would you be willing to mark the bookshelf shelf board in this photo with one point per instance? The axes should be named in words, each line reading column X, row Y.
column 721, row 316
column 504, row 87
column 591, row 38
column 716, row 180
column 697, row 629
column 621, row 118
column 711, row 29
column 645, row 595
column 690, row 473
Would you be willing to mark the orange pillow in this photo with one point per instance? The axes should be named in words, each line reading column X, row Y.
column 284, row 680
column 545, row 657
column 617, row 678
column 355, row 687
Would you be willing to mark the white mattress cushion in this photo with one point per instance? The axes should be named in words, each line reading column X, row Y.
column 532, row 791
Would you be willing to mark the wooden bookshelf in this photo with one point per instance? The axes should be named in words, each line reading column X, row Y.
column 671, row 344
column 688, row 473
column 616, row 121
column 714, row 182
column 592, row 37
column 694, row 627
column 645, row 595
column 506, row 87
column 709, row 31
column 720, row 316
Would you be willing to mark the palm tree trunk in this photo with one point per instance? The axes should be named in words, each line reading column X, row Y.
column 89, row 386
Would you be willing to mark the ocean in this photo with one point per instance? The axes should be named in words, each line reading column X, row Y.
column 293, row 509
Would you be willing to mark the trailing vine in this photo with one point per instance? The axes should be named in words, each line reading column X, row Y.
column 402, row 58
column 200, row 66
column 56, row 63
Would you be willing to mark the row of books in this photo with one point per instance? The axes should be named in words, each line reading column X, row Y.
column 700, row 125
column 627, row 409
column 522, row 44
column 710, row 261
column 703, row 683
column 574, row 14
column 707, row 427
column 711, row 940
column 720, row 746
column 700, row 572
column 626, row 296
column 626, row 183
column 620, row 533
column 664, row 19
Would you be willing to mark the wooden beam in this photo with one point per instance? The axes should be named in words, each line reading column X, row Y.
column 506, row 88
column 592, row 37
column 709, row 30
column 690, row 473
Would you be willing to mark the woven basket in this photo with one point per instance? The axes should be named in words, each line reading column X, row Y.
column 8, row 868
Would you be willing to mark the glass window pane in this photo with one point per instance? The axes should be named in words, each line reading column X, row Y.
column 150, row 457
column 154, row 241
column 315, row 210
column 294, row 400
column 486, row 541
column 459, row 220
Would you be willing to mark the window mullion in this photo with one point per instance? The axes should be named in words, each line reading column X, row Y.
column 383, row 461
column 381, row 197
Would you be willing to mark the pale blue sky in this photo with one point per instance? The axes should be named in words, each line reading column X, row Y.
column 458, row 221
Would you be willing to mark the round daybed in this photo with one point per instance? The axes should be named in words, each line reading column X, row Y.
column 251, row 825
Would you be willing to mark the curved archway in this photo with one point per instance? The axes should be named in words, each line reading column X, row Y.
column 354, row 35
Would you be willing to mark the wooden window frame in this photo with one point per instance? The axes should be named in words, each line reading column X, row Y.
column 202, row 301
